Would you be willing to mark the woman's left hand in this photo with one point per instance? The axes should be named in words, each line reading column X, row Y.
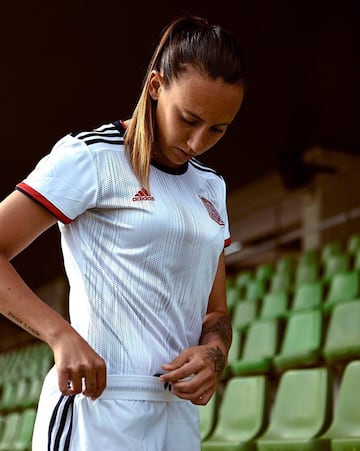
column 195, row 373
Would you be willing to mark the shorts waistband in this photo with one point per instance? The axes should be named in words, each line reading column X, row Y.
column 138, row 388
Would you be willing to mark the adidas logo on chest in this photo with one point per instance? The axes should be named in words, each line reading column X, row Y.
column 143, row 194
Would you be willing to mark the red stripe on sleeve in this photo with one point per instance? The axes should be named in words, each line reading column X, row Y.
column 26, row 189
column 227, row 242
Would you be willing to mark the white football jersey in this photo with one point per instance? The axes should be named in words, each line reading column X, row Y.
column 140, row 264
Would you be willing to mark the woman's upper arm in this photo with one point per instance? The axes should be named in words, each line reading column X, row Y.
column 217, row 298
column 22, row 220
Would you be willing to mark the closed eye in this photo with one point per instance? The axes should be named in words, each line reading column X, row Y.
column 189, row 122
column 194, row 123
column 219, row 130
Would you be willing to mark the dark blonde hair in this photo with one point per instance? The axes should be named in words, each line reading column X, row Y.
column 188, row 41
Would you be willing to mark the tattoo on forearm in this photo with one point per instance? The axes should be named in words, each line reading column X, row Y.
column 218, row 358
column 21, row 323
column 222, row 328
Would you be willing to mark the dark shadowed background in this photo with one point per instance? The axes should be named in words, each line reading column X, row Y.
column 74, row 65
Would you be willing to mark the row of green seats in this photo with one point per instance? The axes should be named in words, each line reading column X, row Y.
column 288, row 272
column 18, row 394
column 28, row 361
column 343, row 288
column 22, row 372
column 305, row 338
column 255, row 289
column 303, row 415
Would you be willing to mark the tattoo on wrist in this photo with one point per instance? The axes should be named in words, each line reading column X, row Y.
column 218, row 358
column 21, row 323
column 222, row 328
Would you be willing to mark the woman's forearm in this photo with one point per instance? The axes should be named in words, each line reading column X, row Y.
column 23, row 307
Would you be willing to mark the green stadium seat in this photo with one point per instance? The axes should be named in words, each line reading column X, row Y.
column 305, row 273
column 353, row 244
column 344, row 431
column 22, row 393
column 2, row 424
column 335, row 264
column 8, row 395
column 264, row 272
column 34, row 391
column 261, row 342
column 241, row 280
column 23, row 438
column 302, row 342
column 309, row 256
column 274, row 305
column 245, row 312
column 301, row 411
column 342, row 340
column 229, row 281
column 255, row 290
column 243, row 415
column 11, row 430
column 285, row 264
column 307, row 296
column 44, row 361
column 232, row 298
column 208, row 417
column 234, row 352
column 356, row 261
column 280, row 282
column 330, row 248
column 28, row 392
column 343, row 287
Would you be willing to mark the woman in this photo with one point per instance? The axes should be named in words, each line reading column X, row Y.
column 143, row 226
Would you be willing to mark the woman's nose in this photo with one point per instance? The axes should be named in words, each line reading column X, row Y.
column 197, row 142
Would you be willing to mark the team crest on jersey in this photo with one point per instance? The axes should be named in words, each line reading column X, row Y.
column 143, row 194
column 213, row 213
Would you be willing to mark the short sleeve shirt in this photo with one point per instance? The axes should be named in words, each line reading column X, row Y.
column 140, row 264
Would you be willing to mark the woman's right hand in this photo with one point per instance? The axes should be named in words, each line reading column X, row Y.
column 79, row 368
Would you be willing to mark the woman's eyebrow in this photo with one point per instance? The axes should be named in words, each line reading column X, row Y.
column 195, row 116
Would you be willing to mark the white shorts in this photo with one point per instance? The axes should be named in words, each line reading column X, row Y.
column 136, row 413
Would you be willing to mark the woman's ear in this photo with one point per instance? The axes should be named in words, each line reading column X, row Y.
column 155, row 84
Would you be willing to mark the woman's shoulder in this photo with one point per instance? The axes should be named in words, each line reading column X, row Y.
column 109, row 133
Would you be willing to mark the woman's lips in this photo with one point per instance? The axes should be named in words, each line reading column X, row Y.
column 183, row 155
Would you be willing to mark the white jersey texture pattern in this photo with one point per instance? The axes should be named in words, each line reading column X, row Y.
column 140, row 265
